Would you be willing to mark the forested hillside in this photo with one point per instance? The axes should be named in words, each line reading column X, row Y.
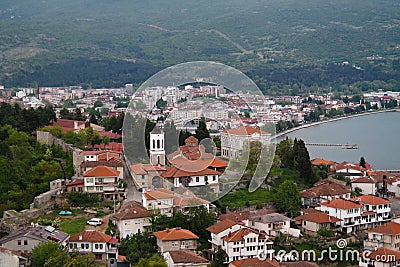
column 285, row 46
column 26, row 167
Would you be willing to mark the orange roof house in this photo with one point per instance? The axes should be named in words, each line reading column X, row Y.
column 101, row 171
column 176, row 239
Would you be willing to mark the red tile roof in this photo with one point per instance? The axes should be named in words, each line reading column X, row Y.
column 390, row 228
column 244, row 130
column 341, row 204
column 145, row 168
column 325, row 190
column 176, row 172
column 76, row 182
column 317, row 217
column 92, row 236
column 131, row 210
column 101, row 171
column 239, row 235
column 221, row 226
column 320, row 161
column 255, row 262
column 364, row 180
column 371, row 200
column 175, row 234
column 186, row 256
column 383, row 255
column 158, row 194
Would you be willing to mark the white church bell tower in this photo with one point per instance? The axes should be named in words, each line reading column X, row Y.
column 157, row 152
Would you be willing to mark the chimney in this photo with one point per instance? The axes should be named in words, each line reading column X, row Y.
column 80, row 237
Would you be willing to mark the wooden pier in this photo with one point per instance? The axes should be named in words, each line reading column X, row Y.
column 342, row 146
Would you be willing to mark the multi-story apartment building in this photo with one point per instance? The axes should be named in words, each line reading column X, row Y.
column 176, row 239
column 363, row 212
column 103, row 180
column 385, row 236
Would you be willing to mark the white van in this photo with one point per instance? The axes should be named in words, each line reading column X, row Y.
column 95, row 221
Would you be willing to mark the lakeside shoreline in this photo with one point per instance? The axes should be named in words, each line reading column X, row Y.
column 329, row 120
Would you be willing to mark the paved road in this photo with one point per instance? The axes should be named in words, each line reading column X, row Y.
column 133, row 193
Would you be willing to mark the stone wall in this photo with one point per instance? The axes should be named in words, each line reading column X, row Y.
column 48, row 139
column 42, row 203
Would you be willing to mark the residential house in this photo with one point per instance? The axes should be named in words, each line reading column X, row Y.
column 368, row 185
column 100, row 155
column 350, row 170
column 147, row 176
column 311, row 197
column 9, row 258
column 183, row 258
column 104, row 247
column 233, row 140
column 104, row 181
column 386, row 236
column 311, row 223
column 192, row 175
column 381, row 257
column 221, row 229
column 273, row 224
column 246, row 243
column 70, row 125
column 160, row 200
column 132, row 218
column 363, row 212
column 175, row 239
column 76, row 186
column 25, row 239
column 113, row 162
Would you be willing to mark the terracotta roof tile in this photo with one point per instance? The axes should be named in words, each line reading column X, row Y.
column 186, row 256
column 175, row 234
column 341, row 204
column 101, row 171
column 320, row 161
column 131, row 210
column 176, row 172
column 371, row 200
column 317, row 217
column 254, row 262
column 390, row 228
column 244, row 130
column 239, row 235
column 383, row 255
column 76, row 182
column 364, row 180
column 325, row 190
column 221, row 226
column 158, row 194
column 92, row 236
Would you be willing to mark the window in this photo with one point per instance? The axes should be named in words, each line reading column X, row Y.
column 87, row 246
column 71, row 245
column 197, row 179
column 174, row 243
column 101, row 246
column 90, row 188
column 214, row 178
column 99, row 188
column 19, row 242
column 89, row 180
column 25, row 242
column 75, row 246
column 100, row 180
column 79, row 189
column 82, row 246
column 96, row 246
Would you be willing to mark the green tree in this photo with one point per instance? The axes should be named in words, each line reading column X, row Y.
column 219, row 259
column 82, row 260
column 362, row 162
column 97, row 104
column 93, row 119
column 137, row 246
column 302, row 163
column 202, row 131
column 45, row 254
column 154, row 261
column 287, row 198
column 171, row 143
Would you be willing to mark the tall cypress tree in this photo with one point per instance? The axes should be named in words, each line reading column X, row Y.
column 302, row 162
column 202, row 131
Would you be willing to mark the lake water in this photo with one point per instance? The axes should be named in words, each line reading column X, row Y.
column 377, row 136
